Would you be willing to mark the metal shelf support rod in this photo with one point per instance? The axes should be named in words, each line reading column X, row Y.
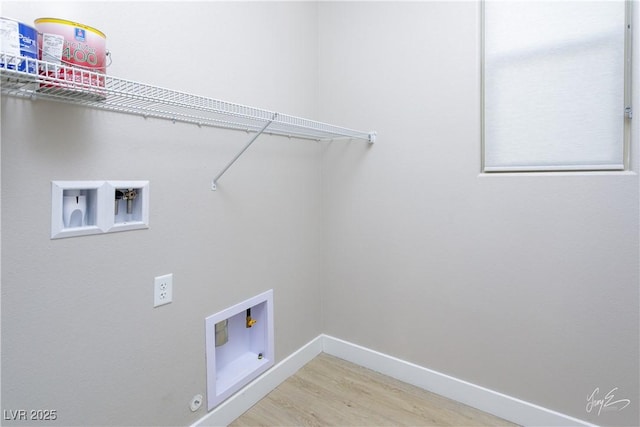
column 214, row 183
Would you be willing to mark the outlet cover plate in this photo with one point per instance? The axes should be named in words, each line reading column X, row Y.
column 162, row 290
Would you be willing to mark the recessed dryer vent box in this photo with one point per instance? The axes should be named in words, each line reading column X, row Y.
column 130, row 205
column 75, row 208
column 240, row 348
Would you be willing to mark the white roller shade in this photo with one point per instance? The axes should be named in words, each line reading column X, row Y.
column 554, row 85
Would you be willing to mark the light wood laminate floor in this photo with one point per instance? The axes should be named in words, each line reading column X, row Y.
column 332, row 392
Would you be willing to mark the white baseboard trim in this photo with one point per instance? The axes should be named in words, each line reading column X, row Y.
column 501, row 405
column 244, row 399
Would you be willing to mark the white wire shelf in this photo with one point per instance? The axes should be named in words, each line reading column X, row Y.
column 78, row 86
column 34, row 79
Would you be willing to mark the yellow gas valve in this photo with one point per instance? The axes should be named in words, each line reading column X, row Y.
column 250, row 320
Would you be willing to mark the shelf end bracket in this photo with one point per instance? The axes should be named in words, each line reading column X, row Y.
column 214, row 183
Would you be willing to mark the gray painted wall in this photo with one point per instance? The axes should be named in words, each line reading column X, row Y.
column 79, row 331
column 525, row 284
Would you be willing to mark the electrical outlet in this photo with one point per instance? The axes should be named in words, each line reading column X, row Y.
column 163, row 290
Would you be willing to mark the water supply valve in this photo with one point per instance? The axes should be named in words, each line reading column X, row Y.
column 129, row 195
column 250, row 320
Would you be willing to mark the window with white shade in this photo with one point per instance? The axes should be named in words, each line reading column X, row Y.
column 555, row 85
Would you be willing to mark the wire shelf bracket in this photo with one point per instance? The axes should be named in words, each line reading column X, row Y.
column 32, row 79
column 214, row 183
